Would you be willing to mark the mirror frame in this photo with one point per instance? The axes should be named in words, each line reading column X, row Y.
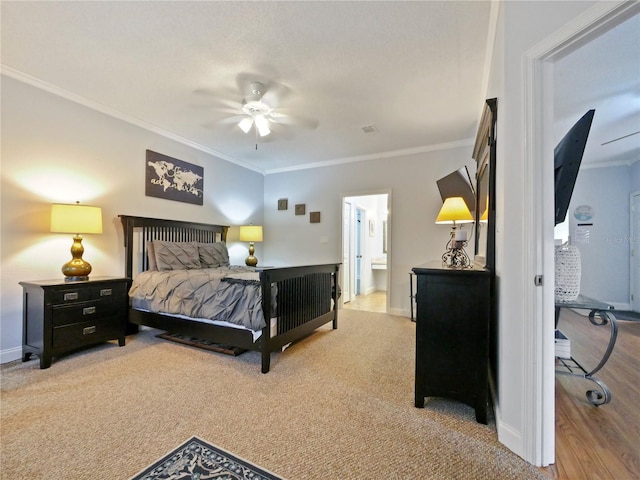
column 484, row 153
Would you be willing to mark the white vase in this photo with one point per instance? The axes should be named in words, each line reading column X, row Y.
column 568, row 271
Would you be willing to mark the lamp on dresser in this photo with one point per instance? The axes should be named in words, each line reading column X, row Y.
column 251, row 234
column 77, row 219
column 454, row 211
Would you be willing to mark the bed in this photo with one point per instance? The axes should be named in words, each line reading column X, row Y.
column 298, row 299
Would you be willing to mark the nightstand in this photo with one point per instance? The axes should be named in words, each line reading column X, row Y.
column 59, row 317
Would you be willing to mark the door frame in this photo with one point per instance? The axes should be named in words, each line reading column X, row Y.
column 366, row 193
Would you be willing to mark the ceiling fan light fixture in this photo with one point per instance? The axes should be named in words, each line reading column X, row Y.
column 262, row 124
column 245, row 124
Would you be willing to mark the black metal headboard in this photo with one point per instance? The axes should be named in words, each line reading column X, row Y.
column 168, row 230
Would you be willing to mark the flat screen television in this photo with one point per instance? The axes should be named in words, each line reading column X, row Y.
column 458, row 184
column 567, row 159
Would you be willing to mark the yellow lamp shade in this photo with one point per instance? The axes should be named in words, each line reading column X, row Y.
column 454, row 210
column 75, row 219
column 251, row 233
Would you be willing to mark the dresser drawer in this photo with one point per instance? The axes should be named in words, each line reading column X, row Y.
column 81, row 312
column 85, row 333
column 83, row 293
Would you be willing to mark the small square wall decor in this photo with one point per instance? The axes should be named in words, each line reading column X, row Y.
column 283, row 204
column 301, row 209
column 314, row 217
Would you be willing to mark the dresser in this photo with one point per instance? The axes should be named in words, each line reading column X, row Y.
column 452, row 335
column 59, row 316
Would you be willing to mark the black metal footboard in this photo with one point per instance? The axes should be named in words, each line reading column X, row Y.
column 307, row 297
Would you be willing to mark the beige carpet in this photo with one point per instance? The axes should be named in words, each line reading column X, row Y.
column 337, row 405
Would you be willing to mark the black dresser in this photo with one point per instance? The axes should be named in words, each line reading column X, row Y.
column 452, row 335
column 60, row 316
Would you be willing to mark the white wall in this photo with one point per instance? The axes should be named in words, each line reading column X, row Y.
column 605, row 253
column 56, row 151
column 414, row 238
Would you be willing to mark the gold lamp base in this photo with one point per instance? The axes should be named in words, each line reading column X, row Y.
column 251, row 260
column 76, row 269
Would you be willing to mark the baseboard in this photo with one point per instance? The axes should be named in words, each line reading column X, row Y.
column 399, row 312
column 370, row 290
column 507, row 435
column 10, row 354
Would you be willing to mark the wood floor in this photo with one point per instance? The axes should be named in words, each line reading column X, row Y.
column 598, row 442
column 374, row 302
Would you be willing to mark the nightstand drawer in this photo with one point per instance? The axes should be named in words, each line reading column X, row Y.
column 87, row 311
column 80, row 293
column 85, row 333
column 110, row 290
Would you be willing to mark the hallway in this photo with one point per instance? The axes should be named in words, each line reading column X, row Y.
column 374, row 302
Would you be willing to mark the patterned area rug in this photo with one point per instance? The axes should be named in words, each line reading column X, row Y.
column 195, row 342
column 196, row 459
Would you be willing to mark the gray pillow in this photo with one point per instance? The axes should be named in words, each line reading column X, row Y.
column 213, row 255
column 176, row 255
column 152, row 266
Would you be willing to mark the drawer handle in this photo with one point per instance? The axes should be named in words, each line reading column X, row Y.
column 89, row 330
column 70, row 296
column 105, row 292
column 88, row 310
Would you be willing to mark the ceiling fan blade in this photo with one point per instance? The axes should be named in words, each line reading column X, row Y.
column 276, row 94
column 620, row 138
column 290, row 120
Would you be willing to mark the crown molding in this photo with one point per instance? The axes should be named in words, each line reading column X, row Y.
column 377, row 156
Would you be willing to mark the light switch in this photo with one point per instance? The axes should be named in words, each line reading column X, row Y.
column 324, row 239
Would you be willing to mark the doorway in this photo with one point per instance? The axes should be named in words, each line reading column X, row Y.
column 538, row 301
column 365, row 252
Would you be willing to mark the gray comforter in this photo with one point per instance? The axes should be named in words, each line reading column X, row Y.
column 230, row 294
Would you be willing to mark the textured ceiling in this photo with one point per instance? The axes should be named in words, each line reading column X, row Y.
column 412, row 69
column 415, row 70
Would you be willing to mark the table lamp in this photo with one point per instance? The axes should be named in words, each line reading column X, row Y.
column 455, row 211
column 251, row 233
column 76, row 219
